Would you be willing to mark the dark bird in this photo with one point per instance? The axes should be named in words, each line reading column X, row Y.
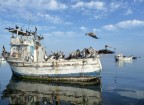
column 9, row 28
column 17, row 27
column 106, row 46
column 40, row 37
column 35, row 29
column 92, row 34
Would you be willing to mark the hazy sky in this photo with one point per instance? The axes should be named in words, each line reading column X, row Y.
column 118, row 23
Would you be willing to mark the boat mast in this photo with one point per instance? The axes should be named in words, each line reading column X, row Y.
column 35, row 46
column 29, row 22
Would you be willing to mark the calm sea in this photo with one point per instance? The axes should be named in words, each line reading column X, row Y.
column 122, row 84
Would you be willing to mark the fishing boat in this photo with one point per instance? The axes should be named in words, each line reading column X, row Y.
column 28, row 59
column 19, row 92
column 120, row 57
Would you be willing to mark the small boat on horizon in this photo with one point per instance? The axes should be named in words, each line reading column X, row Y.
column 120, row 57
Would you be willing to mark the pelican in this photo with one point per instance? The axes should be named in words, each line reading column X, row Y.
column 92, row 34
column 106, row 46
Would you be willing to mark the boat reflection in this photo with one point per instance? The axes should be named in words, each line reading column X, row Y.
column 122, row 63
column 31, row 93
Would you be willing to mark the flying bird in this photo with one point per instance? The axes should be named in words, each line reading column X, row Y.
column 107, row 46
column 9, row 28
column 92, row 34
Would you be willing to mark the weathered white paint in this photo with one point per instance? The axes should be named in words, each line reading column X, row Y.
column 35, row 55
column 61, row 67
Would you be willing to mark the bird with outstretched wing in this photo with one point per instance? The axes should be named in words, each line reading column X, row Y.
column 92, row 34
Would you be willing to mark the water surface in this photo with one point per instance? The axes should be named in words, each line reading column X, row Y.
column 122, row 84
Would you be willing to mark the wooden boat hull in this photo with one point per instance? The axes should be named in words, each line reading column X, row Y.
column 74, row 70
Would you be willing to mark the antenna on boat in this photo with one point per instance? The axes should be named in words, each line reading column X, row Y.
column 29, row 22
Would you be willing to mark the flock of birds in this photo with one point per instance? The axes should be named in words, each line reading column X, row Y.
column 85, row 53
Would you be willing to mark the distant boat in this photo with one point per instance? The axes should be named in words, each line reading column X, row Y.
column 28, row 59
column 120, row 57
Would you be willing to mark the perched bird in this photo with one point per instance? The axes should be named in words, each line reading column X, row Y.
column 40, row 37
column 92, row 34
